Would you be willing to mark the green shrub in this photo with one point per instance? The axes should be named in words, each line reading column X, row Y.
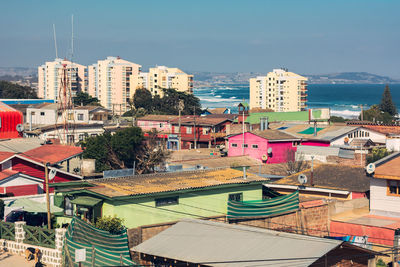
column 111, row 224
column 377, row 154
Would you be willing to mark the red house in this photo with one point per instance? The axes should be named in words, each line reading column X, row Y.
column 200, row 131
column 21, row 175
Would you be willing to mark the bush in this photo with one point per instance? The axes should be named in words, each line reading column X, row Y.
column 111, row 224
column 377, row 154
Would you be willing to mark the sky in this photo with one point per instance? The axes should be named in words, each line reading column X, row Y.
column 307, row 37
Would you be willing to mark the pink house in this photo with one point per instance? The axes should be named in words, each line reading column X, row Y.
column 161, row 123
column 268, row 146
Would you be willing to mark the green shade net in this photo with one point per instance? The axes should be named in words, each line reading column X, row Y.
column 107, row 249
column 309, row 130
column 256, row 208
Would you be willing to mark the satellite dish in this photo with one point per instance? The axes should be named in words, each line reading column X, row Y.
column 20, row 127
column 264, row 157
column 302, row 178
column 370, row 168
column 52, row 173
column 269, row 150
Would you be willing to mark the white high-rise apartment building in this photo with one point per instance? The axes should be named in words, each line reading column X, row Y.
column 50, row 76
column 279, row 90
column 109, row 81
column 162, row 77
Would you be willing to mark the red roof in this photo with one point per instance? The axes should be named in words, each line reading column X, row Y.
column 53, row 153
column 7, row 173
column 5, row 155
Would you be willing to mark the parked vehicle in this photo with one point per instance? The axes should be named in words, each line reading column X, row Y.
column 32, row 219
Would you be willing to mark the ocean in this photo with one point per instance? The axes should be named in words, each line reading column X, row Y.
column 343, row 99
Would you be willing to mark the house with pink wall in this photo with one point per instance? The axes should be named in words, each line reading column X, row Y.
column 160, row 123
column 268, row 146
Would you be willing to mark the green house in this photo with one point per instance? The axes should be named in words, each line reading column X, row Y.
column 157, row 198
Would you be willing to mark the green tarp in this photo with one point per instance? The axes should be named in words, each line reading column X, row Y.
column 107, row 249
column 32, row 206
column 256, row 208
column 309, row 130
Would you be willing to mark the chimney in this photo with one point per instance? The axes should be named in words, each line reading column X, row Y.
column 244, row 173
column 315, row 128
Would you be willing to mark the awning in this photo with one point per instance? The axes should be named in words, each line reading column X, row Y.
column 32, row 206
column 86, row 201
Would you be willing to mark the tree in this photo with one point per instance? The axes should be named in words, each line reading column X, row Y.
column 387, row 104
column 377, row 154
column 376, row 115
column 143, row 99
column 151, row 155
column 10, row 90
column 114, row 225
column 338, row 119
column 294, row 165
column 84, row 99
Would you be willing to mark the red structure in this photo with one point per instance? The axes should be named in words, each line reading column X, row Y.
column 9, row 119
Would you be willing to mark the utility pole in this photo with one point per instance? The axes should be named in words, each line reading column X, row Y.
column 243, row 131
column 46, row 176
column 312, row 171
column 361, row 156
column 194, row 123
column 180, row 108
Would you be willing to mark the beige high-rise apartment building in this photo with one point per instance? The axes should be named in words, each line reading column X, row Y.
column 109, row 81
column 162, row 77
column 50, row 76
column 279, row 90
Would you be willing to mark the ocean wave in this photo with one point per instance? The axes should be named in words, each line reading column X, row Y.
column 218, row 96
column 348, row 114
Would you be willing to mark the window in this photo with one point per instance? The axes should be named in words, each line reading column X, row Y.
column 93, row 135
column 188, row 129
column 68, row 207
column 161, row 125
column 71, row 116
column 70, row 139
column 254, row 146
column 80, row 117
column 176, row 129
column 206, row 130
column 81, row 137
column 245, row 145
column 236, row 197
column 41, row 113
column 234, row 145
column 393, row 188
column 167, row 201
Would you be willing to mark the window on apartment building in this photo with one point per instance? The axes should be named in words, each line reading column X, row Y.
column 206, row 130
column 234, row 145
column 41, row 113
column 393, row 188
column 245, row 145
column 254, row 146
column 188, row 129
column 161, row 125
column 81, row 137
column 68, row 207
column 70, row 139
column 167, row 201
column 80, row 117
column 236, row 197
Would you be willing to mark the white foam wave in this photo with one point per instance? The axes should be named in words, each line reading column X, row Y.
column 348, row 114
column 218, row 96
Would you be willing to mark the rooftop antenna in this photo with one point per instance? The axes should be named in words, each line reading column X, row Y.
column 72, row 36
column 55, row 39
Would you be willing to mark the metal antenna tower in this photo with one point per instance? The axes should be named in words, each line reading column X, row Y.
column 55, row 39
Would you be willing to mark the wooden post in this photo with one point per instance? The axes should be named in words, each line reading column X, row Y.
column 46, row 176
column 93, row 256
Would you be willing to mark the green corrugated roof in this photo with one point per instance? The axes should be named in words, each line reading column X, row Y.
column 244, row 104
column 254, row 118
column 86, row 201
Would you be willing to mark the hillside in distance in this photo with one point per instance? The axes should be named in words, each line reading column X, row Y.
column 212, row 78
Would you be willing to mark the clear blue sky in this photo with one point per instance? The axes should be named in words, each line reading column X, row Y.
column 308, row 37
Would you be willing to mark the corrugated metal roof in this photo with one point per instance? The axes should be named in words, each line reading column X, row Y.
column 336, row 133
column 221, row 244
column 325, row 151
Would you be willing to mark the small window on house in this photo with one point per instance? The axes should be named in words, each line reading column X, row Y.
column 41, row 113
column 81, row 137
column 236, row 197
column 176, row 129
column 189, row 130
column 254, row 146
column 245, row 145
column 393, row 188
column 234, row 145
column 68, row 207
column 80, row 117
column 70, row 116
column 367, row 134
column 93, row 135
column 167, row 201
column 161, row 125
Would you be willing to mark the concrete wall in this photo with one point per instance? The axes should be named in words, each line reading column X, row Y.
column 194, row 204
column 380, row 202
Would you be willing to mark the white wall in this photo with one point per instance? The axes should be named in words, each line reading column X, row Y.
column 374, row 136
column 49, row 116
column 393, row 144
column 380, row 202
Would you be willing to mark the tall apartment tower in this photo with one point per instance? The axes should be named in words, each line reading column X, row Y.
column 279, row 90
column 109, row 81
column 162, row 77
column 50, row 76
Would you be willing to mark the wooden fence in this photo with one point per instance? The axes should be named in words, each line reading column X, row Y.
column 7, row 230
column 39, row 236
